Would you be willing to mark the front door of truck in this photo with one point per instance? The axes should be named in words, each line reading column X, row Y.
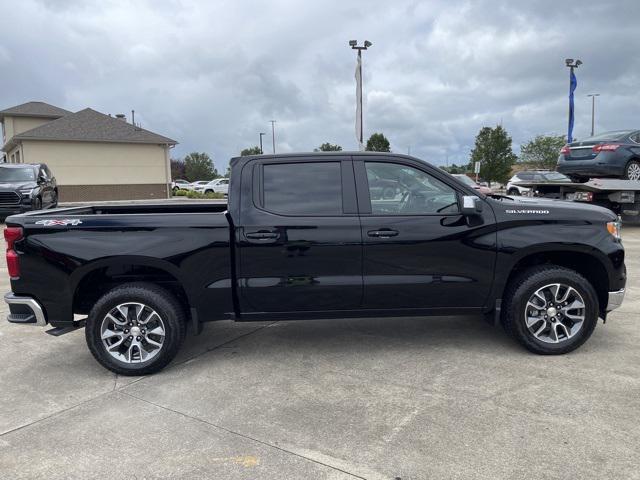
column 419, row 251
column 299, row 240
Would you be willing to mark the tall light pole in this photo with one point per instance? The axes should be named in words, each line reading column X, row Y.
column 571, row 64
column 593, row 111
column 359, row 124
column 273, row 135
column 261, row 134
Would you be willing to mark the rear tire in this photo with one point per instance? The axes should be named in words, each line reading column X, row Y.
column 632, row 171
column 135, row 329
column 576, row 179
column 532, row 321
column 513, row 192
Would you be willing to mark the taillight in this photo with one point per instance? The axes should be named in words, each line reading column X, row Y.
column 565, row 150
column 606, row 147
column 12, row 235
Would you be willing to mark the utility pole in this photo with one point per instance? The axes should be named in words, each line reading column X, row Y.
column 273, row 135
column 359, row 123
column 593, row 111
column 261, row 134
column 571, row 64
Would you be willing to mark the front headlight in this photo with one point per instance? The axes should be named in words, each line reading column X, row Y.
column 26, row 192
column 614, row 229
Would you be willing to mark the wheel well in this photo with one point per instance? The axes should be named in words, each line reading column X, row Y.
column 97, row 282
column 588, row 266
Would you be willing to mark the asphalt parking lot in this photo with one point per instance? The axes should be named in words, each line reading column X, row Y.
column 370, row 398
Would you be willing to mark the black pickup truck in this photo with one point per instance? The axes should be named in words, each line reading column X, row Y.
column 303, row 236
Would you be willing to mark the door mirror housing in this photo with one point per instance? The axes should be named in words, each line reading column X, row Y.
column 471, row 205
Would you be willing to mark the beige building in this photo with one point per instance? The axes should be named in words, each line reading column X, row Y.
column 92, row 155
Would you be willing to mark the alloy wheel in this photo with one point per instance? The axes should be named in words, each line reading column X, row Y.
column 132, row 333
column 633, row 171
column 555, row 313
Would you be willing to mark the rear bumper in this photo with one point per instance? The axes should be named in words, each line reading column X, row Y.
column 25, row 310
column 594, row 167
column 615, row 299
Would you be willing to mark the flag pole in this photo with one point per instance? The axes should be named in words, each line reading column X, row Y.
column 359, row 107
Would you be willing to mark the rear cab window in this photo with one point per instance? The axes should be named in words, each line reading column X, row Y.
column 311, row 188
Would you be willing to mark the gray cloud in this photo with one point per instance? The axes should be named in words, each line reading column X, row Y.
column 212, row 74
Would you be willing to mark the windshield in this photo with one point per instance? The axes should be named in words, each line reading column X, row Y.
column 466, row 180
column 17, row 175
column 556, row 177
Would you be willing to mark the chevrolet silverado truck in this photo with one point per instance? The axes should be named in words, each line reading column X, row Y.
column 304, row 237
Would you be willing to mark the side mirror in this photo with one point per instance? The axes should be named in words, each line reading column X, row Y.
column 471, row 205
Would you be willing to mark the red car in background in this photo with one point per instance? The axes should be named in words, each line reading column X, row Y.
column 468, row 181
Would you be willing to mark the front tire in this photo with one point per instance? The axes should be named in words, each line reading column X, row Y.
column 513, row 192
column 135, row 329
column 632, row 171
column 550, row 310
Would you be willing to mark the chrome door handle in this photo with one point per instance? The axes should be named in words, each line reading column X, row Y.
column 383, row 233
column 262, row 235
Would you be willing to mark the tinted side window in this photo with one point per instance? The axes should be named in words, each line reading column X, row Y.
column 303, row 188
column 525, row 176
column 396, row 189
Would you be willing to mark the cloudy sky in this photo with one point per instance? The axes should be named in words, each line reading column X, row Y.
column 211, row 74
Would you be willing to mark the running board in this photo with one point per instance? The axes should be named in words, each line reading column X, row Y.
column 57, row 331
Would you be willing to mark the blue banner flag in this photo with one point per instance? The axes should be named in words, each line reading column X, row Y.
column 573, row 83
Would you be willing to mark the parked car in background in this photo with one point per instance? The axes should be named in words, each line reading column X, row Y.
column 179, row 184
column 194, row 185
column 217, row 185
column 533, row 176
column 25, row 186
column 611, row 154
column 471, row 183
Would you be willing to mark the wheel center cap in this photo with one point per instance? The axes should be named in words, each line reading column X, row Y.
column 135, row 331
column 552, row 312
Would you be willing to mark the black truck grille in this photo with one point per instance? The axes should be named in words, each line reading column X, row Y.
column 9, row 198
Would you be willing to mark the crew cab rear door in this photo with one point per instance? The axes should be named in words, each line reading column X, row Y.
column 419, row 251
column 299, row 239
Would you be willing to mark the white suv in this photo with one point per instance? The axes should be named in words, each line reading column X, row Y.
column 219, row 185
column 533, row 176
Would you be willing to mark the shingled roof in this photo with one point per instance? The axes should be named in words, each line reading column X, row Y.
column 34, row 109
column 90, row 126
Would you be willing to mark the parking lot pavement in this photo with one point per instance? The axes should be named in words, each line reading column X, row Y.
column 403, row 398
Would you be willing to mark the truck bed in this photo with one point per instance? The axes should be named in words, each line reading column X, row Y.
column 136, row 209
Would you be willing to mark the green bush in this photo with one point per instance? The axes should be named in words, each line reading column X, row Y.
column 180, row 193
column 212, row 195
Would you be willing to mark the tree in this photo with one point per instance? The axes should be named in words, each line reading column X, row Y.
column 542, row 151
column 250, row 151
column 177, row 168
column 455, row 168
column 198, row 166
column 328, row 147
column 378, row 143
column 493, row 151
